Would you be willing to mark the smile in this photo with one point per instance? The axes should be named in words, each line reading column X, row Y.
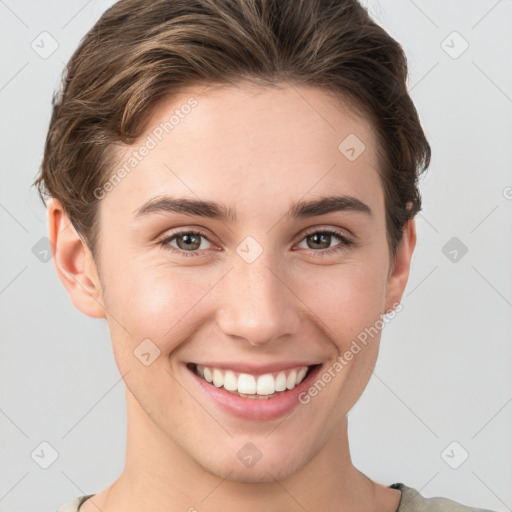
column 247, row 385
column 256, row 394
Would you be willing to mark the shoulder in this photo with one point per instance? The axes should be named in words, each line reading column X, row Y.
column 72, row 506
column 413, row 501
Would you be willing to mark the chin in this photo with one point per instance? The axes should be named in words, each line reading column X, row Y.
column 265, row 470
column 256, row 475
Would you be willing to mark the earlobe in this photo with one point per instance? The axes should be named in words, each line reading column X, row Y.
column 74, row 263
column 399, row 270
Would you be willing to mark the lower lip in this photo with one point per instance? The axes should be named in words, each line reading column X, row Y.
column 257, row 409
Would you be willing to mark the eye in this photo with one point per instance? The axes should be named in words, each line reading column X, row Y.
column 321, row 239
column 187, row 242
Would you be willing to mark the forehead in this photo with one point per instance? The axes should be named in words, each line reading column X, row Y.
column 236, row 144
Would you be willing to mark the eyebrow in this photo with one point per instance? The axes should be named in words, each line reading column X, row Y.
column 212, row 209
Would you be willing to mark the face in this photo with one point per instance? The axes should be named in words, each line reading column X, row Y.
column 268, row 280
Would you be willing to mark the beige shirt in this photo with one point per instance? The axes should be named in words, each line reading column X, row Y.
column 411, row 501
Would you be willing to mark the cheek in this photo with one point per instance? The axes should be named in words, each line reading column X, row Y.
column 350, row 306
column 158, row 302
column 347, row 298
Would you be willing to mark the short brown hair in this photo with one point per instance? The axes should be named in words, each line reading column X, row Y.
column 142, row 51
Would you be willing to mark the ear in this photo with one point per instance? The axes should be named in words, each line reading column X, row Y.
column 74, row 263
column 399, row 269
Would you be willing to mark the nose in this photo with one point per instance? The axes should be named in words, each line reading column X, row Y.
column 258, row 306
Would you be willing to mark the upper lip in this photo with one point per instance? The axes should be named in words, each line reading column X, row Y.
column 255, row 369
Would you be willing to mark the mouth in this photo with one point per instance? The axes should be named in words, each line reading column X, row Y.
column 253, row 396
column 248, row 385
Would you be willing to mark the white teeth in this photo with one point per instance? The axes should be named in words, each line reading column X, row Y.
column 218, row 378
column 250, row 386
column 207, row 374
column 281, row 381
column 301, row 374
column 265, row 385
column 246, row 384
column 291, row 380
column 230, row 381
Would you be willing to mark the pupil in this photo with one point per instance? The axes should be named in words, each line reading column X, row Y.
column 187, row 239
column 323, row 236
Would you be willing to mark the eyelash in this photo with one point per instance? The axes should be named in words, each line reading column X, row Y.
column 345, row 242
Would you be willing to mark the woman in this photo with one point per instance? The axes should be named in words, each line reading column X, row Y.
column 233, row 188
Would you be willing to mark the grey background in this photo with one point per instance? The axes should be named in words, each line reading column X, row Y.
column 443, row 375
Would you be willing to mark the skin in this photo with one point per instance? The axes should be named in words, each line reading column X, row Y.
column 256, row 150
